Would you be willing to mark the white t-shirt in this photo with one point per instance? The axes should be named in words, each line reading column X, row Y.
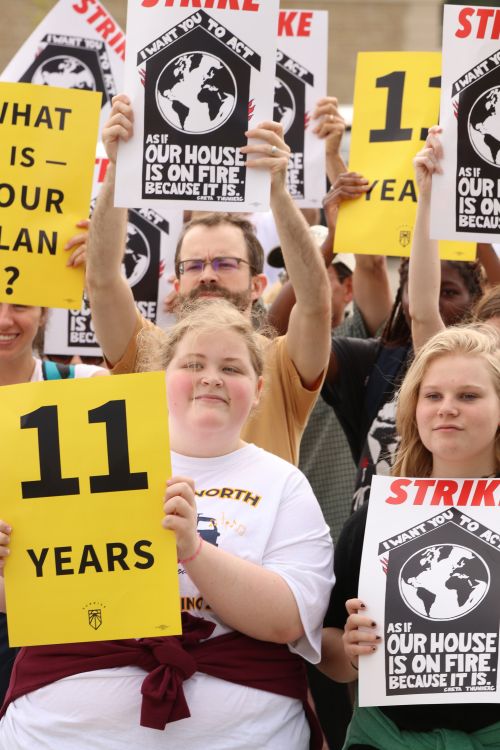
column 260, row 508
column 81, row 371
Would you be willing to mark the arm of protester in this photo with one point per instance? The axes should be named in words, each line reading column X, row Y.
column 347, row 186
column 424, row 273
column 330, row 126
column 334, row 662
column 490, row 261
column 246, row 596
column 5, row 531
column 308, row 337
column 372, row 291
column 113, row 308
column 77, row 245
column 340, row 650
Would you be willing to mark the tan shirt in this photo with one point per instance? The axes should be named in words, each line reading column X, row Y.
column 279, row 421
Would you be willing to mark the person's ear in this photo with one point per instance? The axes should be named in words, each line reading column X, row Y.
column 258, row 390
column 43, row 317
column 347, row 287
column 258, row 284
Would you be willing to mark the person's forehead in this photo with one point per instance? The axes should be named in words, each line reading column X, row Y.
column 207, row 242
column 451, row 275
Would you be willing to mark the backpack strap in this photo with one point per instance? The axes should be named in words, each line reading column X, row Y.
column 57, row 371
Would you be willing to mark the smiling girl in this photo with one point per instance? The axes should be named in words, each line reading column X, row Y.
column 448, row 416
column 255, row 573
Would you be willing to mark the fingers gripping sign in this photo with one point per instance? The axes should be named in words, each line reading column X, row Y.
column 119, row 127
column 360, row 636
column 181, row 515
column 272, row 153
column 5, row 532
column 428, row 160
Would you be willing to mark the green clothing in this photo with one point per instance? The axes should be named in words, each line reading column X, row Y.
column 370, row 726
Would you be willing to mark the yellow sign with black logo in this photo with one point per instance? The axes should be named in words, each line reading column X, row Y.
column 48, row 140
column 396, row 101
column 83, row 468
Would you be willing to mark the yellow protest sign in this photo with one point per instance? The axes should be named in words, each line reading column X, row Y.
column 396, row 100
column 48, row 140
column 82, row 472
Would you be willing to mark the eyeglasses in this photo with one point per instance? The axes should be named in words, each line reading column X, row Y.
column 219, row 265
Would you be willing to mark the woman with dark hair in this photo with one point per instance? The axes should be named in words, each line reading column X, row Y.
column 427, row 315
column 364, row 373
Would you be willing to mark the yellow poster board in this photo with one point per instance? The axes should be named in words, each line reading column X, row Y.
column 83, row 468
column 396, row 101
column 48, row 140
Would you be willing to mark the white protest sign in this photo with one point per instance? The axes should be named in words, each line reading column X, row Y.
column 430, row 578
column 301, row 66
column 148, row 262
column 198, row 80
column 466, row 197
column 78, row 45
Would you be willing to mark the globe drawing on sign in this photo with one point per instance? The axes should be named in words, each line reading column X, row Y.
column 137, row 255
column 484, row 126
column 284, row 105
column 196, row 93
column 444, row 582
column 65, row 71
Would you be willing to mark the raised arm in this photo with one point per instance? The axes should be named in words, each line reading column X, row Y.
column 424, row 273
column 308, row 337
column 330, row 126
column 113, row 308
column 372, row 290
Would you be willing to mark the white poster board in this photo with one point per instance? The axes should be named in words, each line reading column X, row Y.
column 430, row 578
column 301, row 80
column 466, row 197
column 198, row 81
column 77, row 45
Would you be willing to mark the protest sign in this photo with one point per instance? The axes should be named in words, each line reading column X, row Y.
column 48, row 139
column 430, row 578
column 78, row 45
column 300, row 82
column 466, row 197
column 147, row 264
column 396, row 100
column 83, row 492
column 197, row 81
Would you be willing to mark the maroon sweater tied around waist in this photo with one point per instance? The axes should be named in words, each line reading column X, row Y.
column 169, row 660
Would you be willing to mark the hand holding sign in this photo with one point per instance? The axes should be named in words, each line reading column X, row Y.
column 359, row 636
column 427, row 162
column 273, row 154
column 181, row 515
column 119, row 126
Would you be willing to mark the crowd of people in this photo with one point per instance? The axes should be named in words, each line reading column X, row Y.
column 299, row 403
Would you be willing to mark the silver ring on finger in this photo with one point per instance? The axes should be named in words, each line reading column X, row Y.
column 274, row 150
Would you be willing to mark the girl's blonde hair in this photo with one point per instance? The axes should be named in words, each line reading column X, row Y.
column 413, row 459
column 156, row 348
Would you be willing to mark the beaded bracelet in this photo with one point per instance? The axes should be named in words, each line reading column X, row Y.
column 198, row 550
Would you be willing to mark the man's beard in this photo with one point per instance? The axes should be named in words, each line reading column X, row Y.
column 241, row 300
